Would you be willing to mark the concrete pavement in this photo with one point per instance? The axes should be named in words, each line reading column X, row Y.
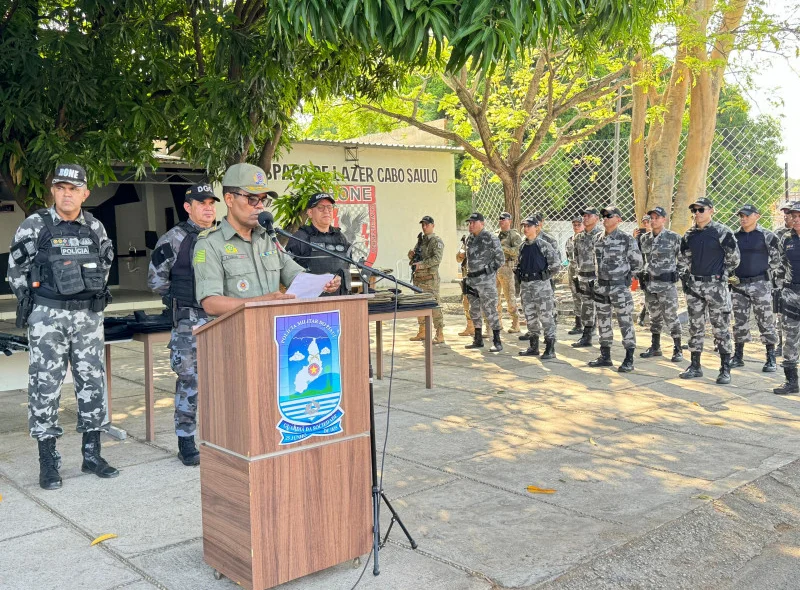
column 659, row 482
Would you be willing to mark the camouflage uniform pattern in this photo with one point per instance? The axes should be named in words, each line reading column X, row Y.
column 182, row 343
column 538, row 300
column 510, row 241
column 778, row 279
column 618, row 258
column 713, row 298
column 57, row 337
column 585, row 263
column 484, row 252
column 572, row 273
column 790, row 300
column 661, row 253
column 426, row 275
column 758, row 296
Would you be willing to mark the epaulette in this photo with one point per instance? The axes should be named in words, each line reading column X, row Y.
column 206, row 232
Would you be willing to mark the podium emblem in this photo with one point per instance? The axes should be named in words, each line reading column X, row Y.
column 309, row 375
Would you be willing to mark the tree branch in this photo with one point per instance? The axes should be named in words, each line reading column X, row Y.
column 443, row 133
column 8, row 16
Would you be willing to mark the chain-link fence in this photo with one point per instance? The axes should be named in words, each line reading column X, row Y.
column 743, row 169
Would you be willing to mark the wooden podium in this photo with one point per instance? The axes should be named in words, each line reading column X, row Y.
column 282, row 495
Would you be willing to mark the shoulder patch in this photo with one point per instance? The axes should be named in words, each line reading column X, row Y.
column 199, row 256
column 206, row 232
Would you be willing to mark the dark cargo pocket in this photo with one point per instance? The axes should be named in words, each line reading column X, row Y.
column 93, row 278
column 67, row 276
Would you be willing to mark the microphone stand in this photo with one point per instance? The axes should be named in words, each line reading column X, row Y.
column 377, row 491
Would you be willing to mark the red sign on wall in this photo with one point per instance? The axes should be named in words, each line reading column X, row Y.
column 357, row 216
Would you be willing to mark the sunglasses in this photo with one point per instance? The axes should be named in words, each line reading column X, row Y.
column 697, row 210
column 254, row 201
column 608, row 216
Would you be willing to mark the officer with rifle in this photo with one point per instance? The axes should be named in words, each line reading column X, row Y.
column 424, row 260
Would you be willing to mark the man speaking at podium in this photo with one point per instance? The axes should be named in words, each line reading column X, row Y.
column 237, row 260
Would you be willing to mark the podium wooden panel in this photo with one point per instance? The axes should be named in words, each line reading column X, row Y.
column 272, row 512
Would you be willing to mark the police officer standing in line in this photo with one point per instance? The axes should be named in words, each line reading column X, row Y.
column 789, row 247
column 58, row 268
column 639, row 233
column 778, row 278
column 710, row 256
column 618, row 259
column 537, row 262
column 236, row 261
column 572, row 273
column 546, row 237
column 661, row 250
column 760, row 261
column 170, row 274
column 484, row 257
column 320, row 231
column 425, row 260
column 587, row 273
column 510, row 241
column 461, row 258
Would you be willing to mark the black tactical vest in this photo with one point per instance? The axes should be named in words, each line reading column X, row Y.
column 181, row 276
column 754, row 253
column 319, row 263
column 708, row 257
column 67, row 265
column 531, row 259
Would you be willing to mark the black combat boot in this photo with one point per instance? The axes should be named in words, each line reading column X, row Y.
column 604, row 360
column 627, row 364
column 49, row 464
column 791, row 385
column 533, row 349
column 477, row 339
column 586, row 339
column 92, row 461
column 549, row 349
column 677, row 355
column 724, row 376
column 578, row 328
column 525, row 336
column 497, row 345
column 694, row 369
column 770, row 366
column 738, row 353
column 655, row 347
column 187, row 451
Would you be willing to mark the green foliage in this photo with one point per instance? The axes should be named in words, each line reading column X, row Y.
column 305, row 180
column 481, row 32
column 77, row 82
column 463, row 202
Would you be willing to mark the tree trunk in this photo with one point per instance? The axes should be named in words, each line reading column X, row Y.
column 706, row 84
column 512, row 198
column 269, row 147
column 637, row 141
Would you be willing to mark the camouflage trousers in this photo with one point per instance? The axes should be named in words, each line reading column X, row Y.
column 506, row 289
column 486, row 300
column 757, row 295
column 586, row 307
column 663, row 309
column 576, row 302
column 57, row 337
column 714, row 298
column 620, row 301
column 431, row 285
column 183, row 359
column 538, row 303
column 791, row 326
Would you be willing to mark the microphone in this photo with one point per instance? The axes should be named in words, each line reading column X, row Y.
column 265, row 220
